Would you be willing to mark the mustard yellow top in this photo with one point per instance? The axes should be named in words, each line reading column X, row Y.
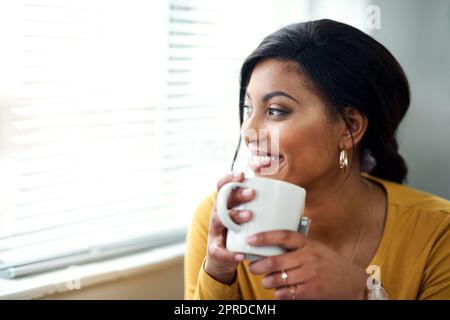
column 413, row 255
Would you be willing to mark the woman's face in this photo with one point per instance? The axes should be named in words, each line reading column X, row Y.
column 279, row 101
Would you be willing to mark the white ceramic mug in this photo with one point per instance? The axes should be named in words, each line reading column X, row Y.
column 278, row 205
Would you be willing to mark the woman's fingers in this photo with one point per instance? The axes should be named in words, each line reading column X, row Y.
column 236, row 197
column 217, row 252
column 216, row 225
column 239, row 196
column 295, row 275
column 237, row 176
column 240, row 216
column 287, row 239
column 221, row 263
column 294, row 292
column 285, row 261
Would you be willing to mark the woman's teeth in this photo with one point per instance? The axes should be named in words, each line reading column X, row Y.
column 259, row 162
column 264, row 159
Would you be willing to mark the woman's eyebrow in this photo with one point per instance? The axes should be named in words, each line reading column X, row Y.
column 272, row 94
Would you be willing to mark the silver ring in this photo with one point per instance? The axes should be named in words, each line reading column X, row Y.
column 284, row 277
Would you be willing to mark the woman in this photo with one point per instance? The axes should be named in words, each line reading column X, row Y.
column 336, row 97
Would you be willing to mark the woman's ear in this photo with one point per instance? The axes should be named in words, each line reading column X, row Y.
column 356, row 125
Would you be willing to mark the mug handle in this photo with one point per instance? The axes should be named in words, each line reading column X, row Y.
column 222, row 208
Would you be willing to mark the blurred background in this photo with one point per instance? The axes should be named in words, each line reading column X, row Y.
column 117, row 117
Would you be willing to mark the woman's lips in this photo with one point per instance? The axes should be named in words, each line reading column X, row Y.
column 259, row 161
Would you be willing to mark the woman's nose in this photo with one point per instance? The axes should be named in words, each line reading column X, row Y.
column 254, row 136
column 252, row 122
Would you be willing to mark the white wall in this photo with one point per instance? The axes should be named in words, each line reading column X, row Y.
column 417, row 32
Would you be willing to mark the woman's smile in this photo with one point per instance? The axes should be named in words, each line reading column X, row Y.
column 262, row 159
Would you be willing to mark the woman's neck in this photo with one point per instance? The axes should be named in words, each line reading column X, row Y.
column 337, row 209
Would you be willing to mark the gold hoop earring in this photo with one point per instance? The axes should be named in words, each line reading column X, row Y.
column 343, row 161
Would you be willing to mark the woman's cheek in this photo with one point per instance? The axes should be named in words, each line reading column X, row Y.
column 306, row 156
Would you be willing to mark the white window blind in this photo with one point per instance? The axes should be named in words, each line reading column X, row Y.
column 117, row 117
column 88, row 177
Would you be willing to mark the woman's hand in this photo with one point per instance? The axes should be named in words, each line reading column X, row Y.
column 220, row 263
column 313, row 270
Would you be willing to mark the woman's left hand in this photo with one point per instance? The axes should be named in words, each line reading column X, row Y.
column 314, row 271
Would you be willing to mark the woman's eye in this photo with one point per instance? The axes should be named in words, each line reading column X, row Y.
column 247, row 110
column 276, row 112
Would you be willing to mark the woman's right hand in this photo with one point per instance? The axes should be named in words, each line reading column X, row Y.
column 220, row 263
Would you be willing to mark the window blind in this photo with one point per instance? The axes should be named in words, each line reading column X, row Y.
column 98, row 149
column 118, row 117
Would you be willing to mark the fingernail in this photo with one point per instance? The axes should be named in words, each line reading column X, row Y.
column 236, row 174
column 247, row 192
column 239, row 257
column 244, row 214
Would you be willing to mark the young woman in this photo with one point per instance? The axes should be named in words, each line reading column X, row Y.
column 336, row 97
